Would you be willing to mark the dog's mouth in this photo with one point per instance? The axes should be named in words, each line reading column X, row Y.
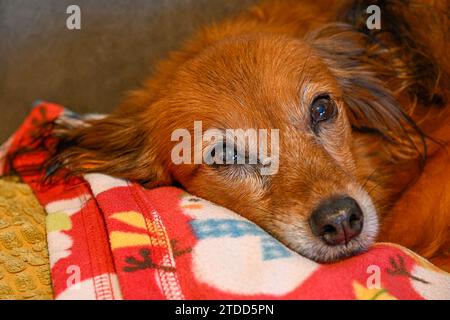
column 317, row 249
column 327, row 254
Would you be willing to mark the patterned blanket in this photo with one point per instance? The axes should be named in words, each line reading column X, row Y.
column 112, row 239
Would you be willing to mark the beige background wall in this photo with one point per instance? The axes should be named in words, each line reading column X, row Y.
column 90, row 69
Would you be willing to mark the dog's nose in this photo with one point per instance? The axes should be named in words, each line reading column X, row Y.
column 337, row 220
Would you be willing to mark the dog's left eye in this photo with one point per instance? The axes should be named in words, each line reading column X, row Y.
column 224, row 154
column 322, row 109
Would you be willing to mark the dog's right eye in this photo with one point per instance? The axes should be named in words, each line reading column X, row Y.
column 322, row 109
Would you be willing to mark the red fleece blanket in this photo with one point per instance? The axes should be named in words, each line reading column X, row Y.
column 112, row 239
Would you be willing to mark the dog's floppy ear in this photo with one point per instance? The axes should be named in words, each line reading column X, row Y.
column 358, row 66
column 116, row 145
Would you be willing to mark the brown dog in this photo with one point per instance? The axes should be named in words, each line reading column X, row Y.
column 361, row 116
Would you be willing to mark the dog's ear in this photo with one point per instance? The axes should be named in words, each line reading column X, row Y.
column 117, row 145
column 363, row 75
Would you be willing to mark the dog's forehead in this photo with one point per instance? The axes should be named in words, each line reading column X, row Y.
column 248, row 63
column 265, row 53
column 254, row 81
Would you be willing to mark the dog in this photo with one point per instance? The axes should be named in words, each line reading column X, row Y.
column 362, row 117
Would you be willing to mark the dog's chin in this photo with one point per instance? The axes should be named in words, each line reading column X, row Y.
column 302, row 241
column 317, row 250
column 323, row 253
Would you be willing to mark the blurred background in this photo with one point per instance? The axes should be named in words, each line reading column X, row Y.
column 89, row 70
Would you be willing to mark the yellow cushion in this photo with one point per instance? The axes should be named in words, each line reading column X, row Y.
column 24, row 263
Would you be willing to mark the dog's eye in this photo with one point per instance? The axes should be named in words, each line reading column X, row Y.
column 224, row 154
column 322, row 109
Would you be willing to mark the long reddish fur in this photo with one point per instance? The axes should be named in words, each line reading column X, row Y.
column 411, row 193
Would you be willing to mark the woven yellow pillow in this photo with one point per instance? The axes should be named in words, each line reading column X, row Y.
column 24, row 263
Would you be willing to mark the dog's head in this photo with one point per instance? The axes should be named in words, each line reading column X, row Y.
column 304, row 184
